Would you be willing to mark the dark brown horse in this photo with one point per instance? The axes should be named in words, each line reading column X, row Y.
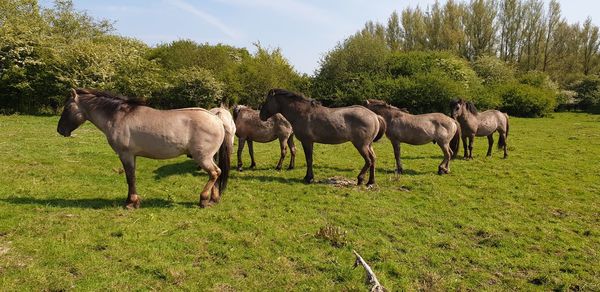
column 313, row 123
column 249, row 128
column 134, row 130
column 474, row 123
column 402, row 127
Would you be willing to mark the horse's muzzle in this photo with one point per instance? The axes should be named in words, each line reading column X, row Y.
column 64, row 133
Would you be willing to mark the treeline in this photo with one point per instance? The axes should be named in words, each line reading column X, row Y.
column 44, row 52
column 518, row 56
column 514, row 55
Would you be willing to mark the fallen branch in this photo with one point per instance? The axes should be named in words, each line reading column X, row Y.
column 371, row 279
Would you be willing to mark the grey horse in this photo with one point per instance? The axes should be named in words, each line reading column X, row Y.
column 133, row 130
column 402, row 127
column 474, row 123
column 249, row 128
column 313, row 122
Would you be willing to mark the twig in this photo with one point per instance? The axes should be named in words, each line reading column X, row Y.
column 371, row 279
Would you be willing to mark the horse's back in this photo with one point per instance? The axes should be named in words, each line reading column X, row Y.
column 339, row 125
column 491, row 121
column 422, row 129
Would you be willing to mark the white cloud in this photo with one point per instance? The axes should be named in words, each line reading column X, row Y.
column 290, row 7
column 206, row 17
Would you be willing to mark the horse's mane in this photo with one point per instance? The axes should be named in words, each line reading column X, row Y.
column 387, row 105
column 236, row 110
column 470, row 105
column 293, row 96
column 108, row 102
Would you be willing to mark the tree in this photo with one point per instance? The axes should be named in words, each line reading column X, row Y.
column 393, row 33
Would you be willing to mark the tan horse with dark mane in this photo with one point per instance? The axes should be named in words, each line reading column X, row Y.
column 474, row 123
column 251, row 129
column 402, row 127
column 133, row 130
column 314, row 123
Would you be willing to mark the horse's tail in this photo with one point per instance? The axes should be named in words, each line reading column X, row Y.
column 225, row 159
column 382, row 128
column 502, row 140
column 455, row 142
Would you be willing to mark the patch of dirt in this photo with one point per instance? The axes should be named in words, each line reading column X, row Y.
column 4, row 250
column 339, row 181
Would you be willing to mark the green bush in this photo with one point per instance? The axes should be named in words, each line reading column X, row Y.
column 493, row 71
column 588, row 91
column 525, row 100
column 189, row 87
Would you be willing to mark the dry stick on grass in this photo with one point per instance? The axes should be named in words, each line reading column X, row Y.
column 371, row 278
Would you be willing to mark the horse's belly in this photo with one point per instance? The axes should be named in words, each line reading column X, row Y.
column 159, row 148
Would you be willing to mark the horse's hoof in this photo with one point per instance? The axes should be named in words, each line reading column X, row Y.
column 399, row 171
column 505, row 156
column 308, row 180
column 252, row 166
column 370, row 185
column 290, row 168
column 205, row 203
column 278, row 168
column 133, row 202
column 440, row 171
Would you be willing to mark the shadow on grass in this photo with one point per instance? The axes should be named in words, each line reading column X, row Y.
column 410, row 172
column 92, row 203
column 269, row 178
column 187, row 166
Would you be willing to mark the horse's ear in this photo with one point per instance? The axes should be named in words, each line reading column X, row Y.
column 74, row 95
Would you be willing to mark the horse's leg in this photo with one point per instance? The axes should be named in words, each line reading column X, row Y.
column 364, row 152
column 241, row 142
column 133, row 200
column 444, row 167
column 504, row 146
column 209, row 193
column 290, row 143
column 283, row 148
column 251, row 150
column 465, row 146
column 471, row 138
column 372, row 168
column 490, row 144
column 396, row 146
column 308, row 152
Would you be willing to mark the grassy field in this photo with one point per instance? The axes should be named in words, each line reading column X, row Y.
column 530, row 222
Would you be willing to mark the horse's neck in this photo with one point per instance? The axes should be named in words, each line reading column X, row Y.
column 295, row 111
column 99, row 119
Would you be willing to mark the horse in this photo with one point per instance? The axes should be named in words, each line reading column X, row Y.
column 314, row 123
column 133, row 130
column 403, row 127
column 251, row 128
column 474, row 123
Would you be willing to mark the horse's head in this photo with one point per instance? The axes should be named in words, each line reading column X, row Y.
column 376, row 105
column 72, row 117
column 457, row 108
column 270, row 107
column 461, row 107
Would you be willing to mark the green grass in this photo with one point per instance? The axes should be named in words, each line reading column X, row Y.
column 526, row 223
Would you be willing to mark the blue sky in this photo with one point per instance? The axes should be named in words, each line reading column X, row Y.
column 304, row 29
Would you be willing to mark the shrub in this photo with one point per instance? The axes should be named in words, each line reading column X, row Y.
column 525, row 100
column 493, row 71
column 588, row 91
column 189, row 87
